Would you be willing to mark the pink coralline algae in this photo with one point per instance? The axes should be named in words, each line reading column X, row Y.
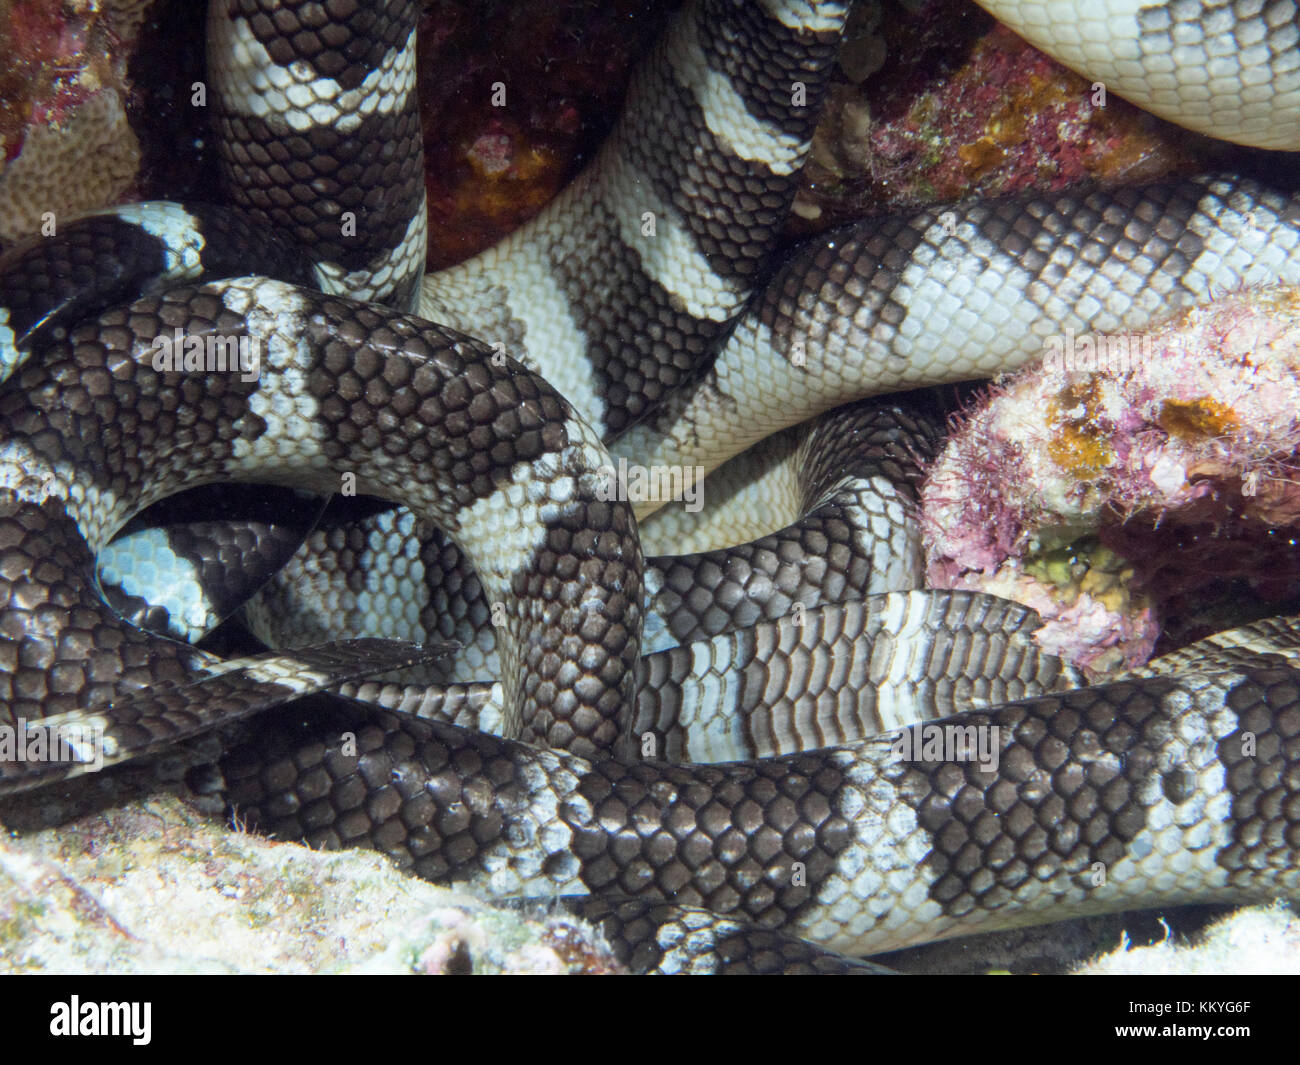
column 1121, row 469
column 950, row 104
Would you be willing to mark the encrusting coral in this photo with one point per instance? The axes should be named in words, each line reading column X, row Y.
column 1051, row 490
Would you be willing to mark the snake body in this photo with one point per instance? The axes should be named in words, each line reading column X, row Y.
column 1169, row 786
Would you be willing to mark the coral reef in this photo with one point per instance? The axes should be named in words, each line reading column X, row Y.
column 1052, row 490
column 150, row 886
column 939, row 102
column 514, row 98
column 1259, row 939
column 65, row 144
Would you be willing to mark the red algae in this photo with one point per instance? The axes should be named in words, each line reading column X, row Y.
column 961, row 106
column 1193, row 424
column 58, row 53
column 65, row 144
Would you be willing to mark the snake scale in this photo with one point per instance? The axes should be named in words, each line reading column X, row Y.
column 812, row 840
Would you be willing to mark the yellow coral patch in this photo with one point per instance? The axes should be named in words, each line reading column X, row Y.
column 982, row 156
column 1196, row 419
column 1078, row 445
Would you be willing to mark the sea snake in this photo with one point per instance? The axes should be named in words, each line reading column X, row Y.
column 628, row 313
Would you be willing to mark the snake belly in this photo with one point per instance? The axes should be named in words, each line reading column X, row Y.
column 1137, row 792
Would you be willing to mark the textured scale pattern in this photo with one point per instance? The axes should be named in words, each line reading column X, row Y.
column 317, row 122
column 1042, row 799
column 1228, row 68
column 210, row 568
column 847, row 672
column 683, row 940
column 967, row 292
column 857, row 473
column 616, row 316
column 490, row 423
column 111, row 257
column 856, row 668
column 1096, row 802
